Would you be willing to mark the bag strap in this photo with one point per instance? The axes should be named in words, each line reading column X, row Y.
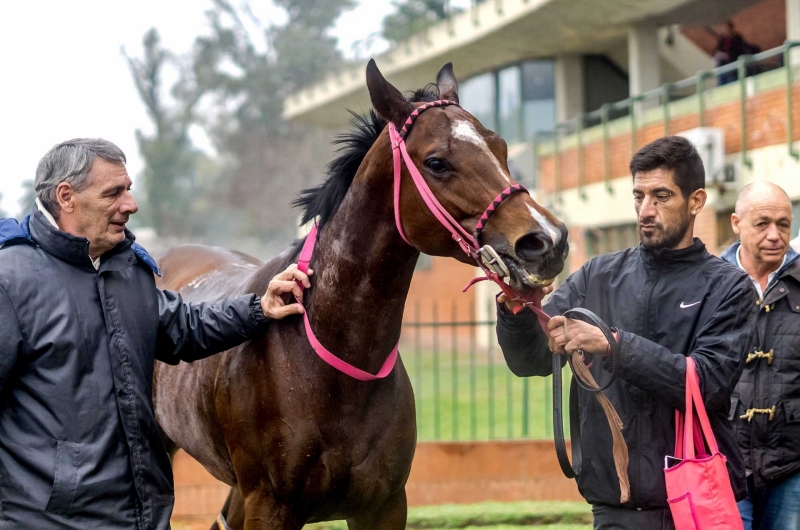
column 693, row 432
column 702, row 415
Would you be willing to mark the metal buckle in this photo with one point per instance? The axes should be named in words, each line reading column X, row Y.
column 492, row 261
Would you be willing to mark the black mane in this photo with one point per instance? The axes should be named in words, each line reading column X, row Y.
column 324, row 200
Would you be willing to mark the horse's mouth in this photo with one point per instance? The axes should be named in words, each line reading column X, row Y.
column 511, row 270
column 522, row 279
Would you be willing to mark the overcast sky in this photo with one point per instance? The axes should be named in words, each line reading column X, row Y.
column 63, row 75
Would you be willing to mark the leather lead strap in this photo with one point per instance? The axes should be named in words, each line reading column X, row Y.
column 582, row 377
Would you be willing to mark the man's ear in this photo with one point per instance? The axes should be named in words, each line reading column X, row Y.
column 697, row 200
column 390, row 104
column 65, row 195
column 735, row 223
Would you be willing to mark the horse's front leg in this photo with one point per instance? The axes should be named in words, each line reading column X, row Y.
column 263, row 512
column 390, row 516
column 232, row 512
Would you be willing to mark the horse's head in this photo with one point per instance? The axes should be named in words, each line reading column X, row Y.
column 465, row 165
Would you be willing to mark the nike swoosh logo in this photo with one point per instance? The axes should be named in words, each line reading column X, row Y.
column 684, row 306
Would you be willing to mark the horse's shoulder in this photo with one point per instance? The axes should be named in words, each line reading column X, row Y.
column 183, row 263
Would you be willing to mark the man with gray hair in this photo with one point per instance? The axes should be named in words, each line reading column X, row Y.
column 765, row 407
column 81, row 326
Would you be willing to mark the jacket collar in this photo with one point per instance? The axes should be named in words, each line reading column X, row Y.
column 64, row 246
column 790, row 267
column 666, row 257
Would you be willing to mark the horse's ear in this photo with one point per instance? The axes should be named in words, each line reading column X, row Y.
column 448, row 85
column 387, row 100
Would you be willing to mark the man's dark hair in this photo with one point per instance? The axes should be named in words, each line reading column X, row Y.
column 676, row 154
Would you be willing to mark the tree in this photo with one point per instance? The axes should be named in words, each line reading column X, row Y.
column 170, row 182
column 412, row 17
column 2, row 212
column 241, row 71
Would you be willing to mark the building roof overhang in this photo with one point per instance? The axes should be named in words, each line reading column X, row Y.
column 495, row 33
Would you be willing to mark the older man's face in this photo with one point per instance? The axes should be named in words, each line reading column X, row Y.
column 102, row 210
column 764, row 227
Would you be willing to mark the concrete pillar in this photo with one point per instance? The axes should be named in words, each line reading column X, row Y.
column 569, row 86
column 644, row 71
column 793, row 26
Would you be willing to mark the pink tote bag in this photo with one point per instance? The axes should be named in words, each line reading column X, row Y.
column 698, row 487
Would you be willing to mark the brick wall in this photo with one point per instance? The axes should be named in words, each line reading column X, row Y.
column 766, row 125
column 442, row 473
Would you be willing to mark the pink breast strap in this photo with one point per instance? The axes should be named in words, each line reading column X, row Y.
column 321, row 351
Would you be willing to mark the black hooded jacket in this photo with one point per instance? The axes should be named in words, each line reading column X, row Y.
column 79, row 445
column 667, row 304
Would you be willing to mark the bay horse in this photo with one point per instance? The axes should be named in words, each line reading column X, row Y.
column 298, row 441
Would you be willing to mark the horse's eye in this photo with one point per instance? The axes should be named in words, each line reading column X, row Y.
column 436, row 165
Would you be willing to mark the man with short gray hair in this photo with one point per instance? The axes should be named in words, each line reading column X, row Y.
column 81, row 326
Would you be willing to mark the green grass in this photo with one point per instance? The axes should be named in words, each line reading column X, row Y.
column 493, row 516
column 477, row 398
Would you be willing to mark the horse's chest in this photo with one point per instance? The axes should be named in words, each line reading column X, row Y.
column 358, row 467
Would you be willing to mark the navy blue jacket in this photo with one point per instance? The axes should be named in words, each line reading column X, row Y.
column 79, row 443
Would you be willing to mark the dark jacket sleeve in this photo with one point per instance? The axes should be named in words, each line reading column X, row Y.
column 522, row 340
column 188, row 332
column 719, row 352
column 10, row 339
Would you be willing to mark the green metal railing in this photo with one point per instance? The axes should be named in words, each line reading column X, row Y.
column 463, row 389
column 664, row 94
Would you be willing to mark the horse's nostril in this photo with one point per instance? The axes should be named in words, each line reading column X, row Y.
column 532, row 245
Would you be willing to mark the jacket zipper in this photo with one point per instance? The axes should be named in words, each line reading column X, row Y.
column 637, row 491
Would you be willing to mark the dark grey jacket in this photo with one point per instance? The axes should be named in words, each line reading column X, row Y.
column 79, row 444
column 771, row 446
column 667, row 305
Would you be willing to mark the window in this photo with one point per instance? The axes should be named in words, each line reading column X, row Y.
column 795, row 219
column 725, row 235
column 538, row 97
column 509, row 104
column 516, row 102
column 610, row 239
column 477, row 96
column 424, row 262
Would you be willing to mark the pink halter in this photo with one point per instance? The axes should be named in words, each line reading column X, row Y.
column 468, row 242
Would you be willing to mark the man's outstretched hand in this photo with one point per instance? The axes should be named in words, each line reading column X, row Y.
column 273, row 302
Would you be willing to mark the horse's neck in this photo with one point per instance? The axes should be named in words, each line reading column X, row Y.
column 362, row 273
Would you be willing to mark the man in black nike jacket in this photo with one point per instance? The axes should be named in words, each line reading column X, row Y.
column 668, row 298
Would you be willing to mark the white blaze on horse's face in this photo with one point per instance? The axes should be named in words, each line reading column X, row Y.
column 463, row 130
column 546, row 225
